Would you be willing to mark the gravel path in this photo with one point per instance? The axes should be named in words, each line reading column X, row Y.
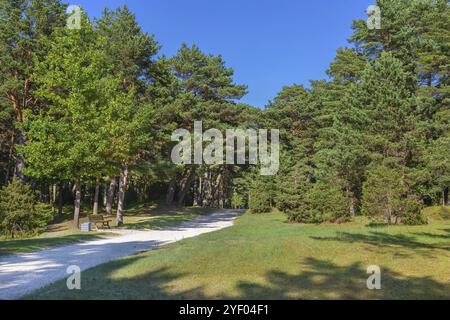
column 22, row 273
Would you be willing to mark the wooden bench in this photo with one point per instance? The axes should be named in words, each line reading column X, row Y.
column 99, row 219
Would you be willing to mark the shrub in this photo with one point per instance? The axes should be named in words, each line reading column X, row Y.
column 259, row 202
column 412, row 212
column 382, row 193
column 19, row 215
column 237, row 201
column 327, row 202
column 307, row 202
column 260, row 198
column 290, row 199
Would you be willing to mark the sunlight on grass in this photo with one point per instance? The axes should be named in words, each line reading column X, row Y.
column 263, row 257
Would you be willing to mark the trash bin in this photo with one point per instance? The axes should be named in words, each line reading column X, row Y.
column 85, row 227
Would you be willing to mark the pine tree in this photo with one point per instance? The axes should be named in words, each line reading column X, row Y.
column 19, row 215
column 382, row 193
column 24, row 28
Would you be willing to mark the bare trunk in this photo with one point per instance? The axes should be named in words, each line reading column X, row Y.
column 20, row 160
column 447, row 195
column 96, row 194
column 60, row 202
column 10, row 157
column 351, row 201
column 389, row 216
column 207, row 190
column 105, row 194
column 122, row 189
column 446, row 200
column 53, row 199
column 76, row 215
column 171, row 191
column 186, row 186
column 110, row 195
column 442, row 201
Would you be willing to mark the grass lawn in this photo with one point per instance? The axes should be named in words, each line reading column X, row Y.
column 138, row 217
column 263, row 257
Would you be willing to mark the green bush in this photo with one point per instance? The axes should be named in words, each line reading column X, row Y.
column 290, row 198
column 260, row 198
column 324, row 202
column 19, row 214
column 237, row 201
column 412, row 213
column 328, row 203
column 382, row 193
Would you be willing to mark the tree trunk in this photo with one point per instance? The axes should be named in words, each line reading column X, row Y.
column 20, row 160
column 53, row 199
column 447, row 196
column 76, row 215
column 171, row 191
column 122, row 189
column 96, row 194
column 110, row 195
column 60, row 202
column 351, row 201
column 10, row 157
column 186, row 186
column 442, row 201
column 389, row 216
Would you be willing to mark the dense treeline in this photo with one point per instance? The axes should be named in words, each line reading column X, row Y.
column 374, row 138
column 86, row 117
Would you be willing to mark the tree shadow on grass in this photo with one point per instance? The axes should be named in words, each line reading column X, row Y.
column 105, row 283
column 325, row 280
column 385, row 240
column 434, row 235
column 317, row 279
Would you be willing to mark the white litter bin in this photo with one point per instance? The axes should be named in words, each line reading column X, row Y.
column 85, row 227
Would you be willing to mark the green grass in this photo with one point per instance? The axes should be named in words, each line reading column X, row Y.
column 155, row 217
column 138, row 217
column 263, row 257
column 437, row 213
column 39, row 243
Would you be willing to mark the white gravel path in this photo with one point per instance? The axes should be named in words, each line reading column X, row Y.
column 22, row 273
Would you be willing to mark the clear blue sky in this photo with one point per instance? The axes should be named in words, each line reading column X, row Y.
column 268, row 43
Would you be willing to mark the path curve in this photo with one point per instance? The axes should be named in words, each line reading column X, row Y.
column 23, row 273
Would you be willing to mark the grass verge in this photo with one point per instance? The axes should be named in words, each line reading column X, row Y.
column 263, row 257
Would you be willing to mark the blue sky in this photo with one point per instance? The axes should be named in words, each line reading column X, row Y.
column 268, row 43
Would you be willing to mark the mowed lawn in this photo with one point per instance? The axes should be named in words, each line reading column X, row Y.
column 263, row 257
column 140, row 217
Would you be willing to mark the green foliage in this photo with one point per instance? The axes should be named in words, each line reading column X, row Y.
column 260, row 198
column 237, row 201
column 382, row 193
column 318, row 202
column 20, row 216
column 412, row 212
column 292, row 189
column 327, row 202
column 93, row 101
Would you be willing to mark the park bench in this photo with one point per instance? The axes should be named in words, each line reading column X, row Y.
column 99, row 219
